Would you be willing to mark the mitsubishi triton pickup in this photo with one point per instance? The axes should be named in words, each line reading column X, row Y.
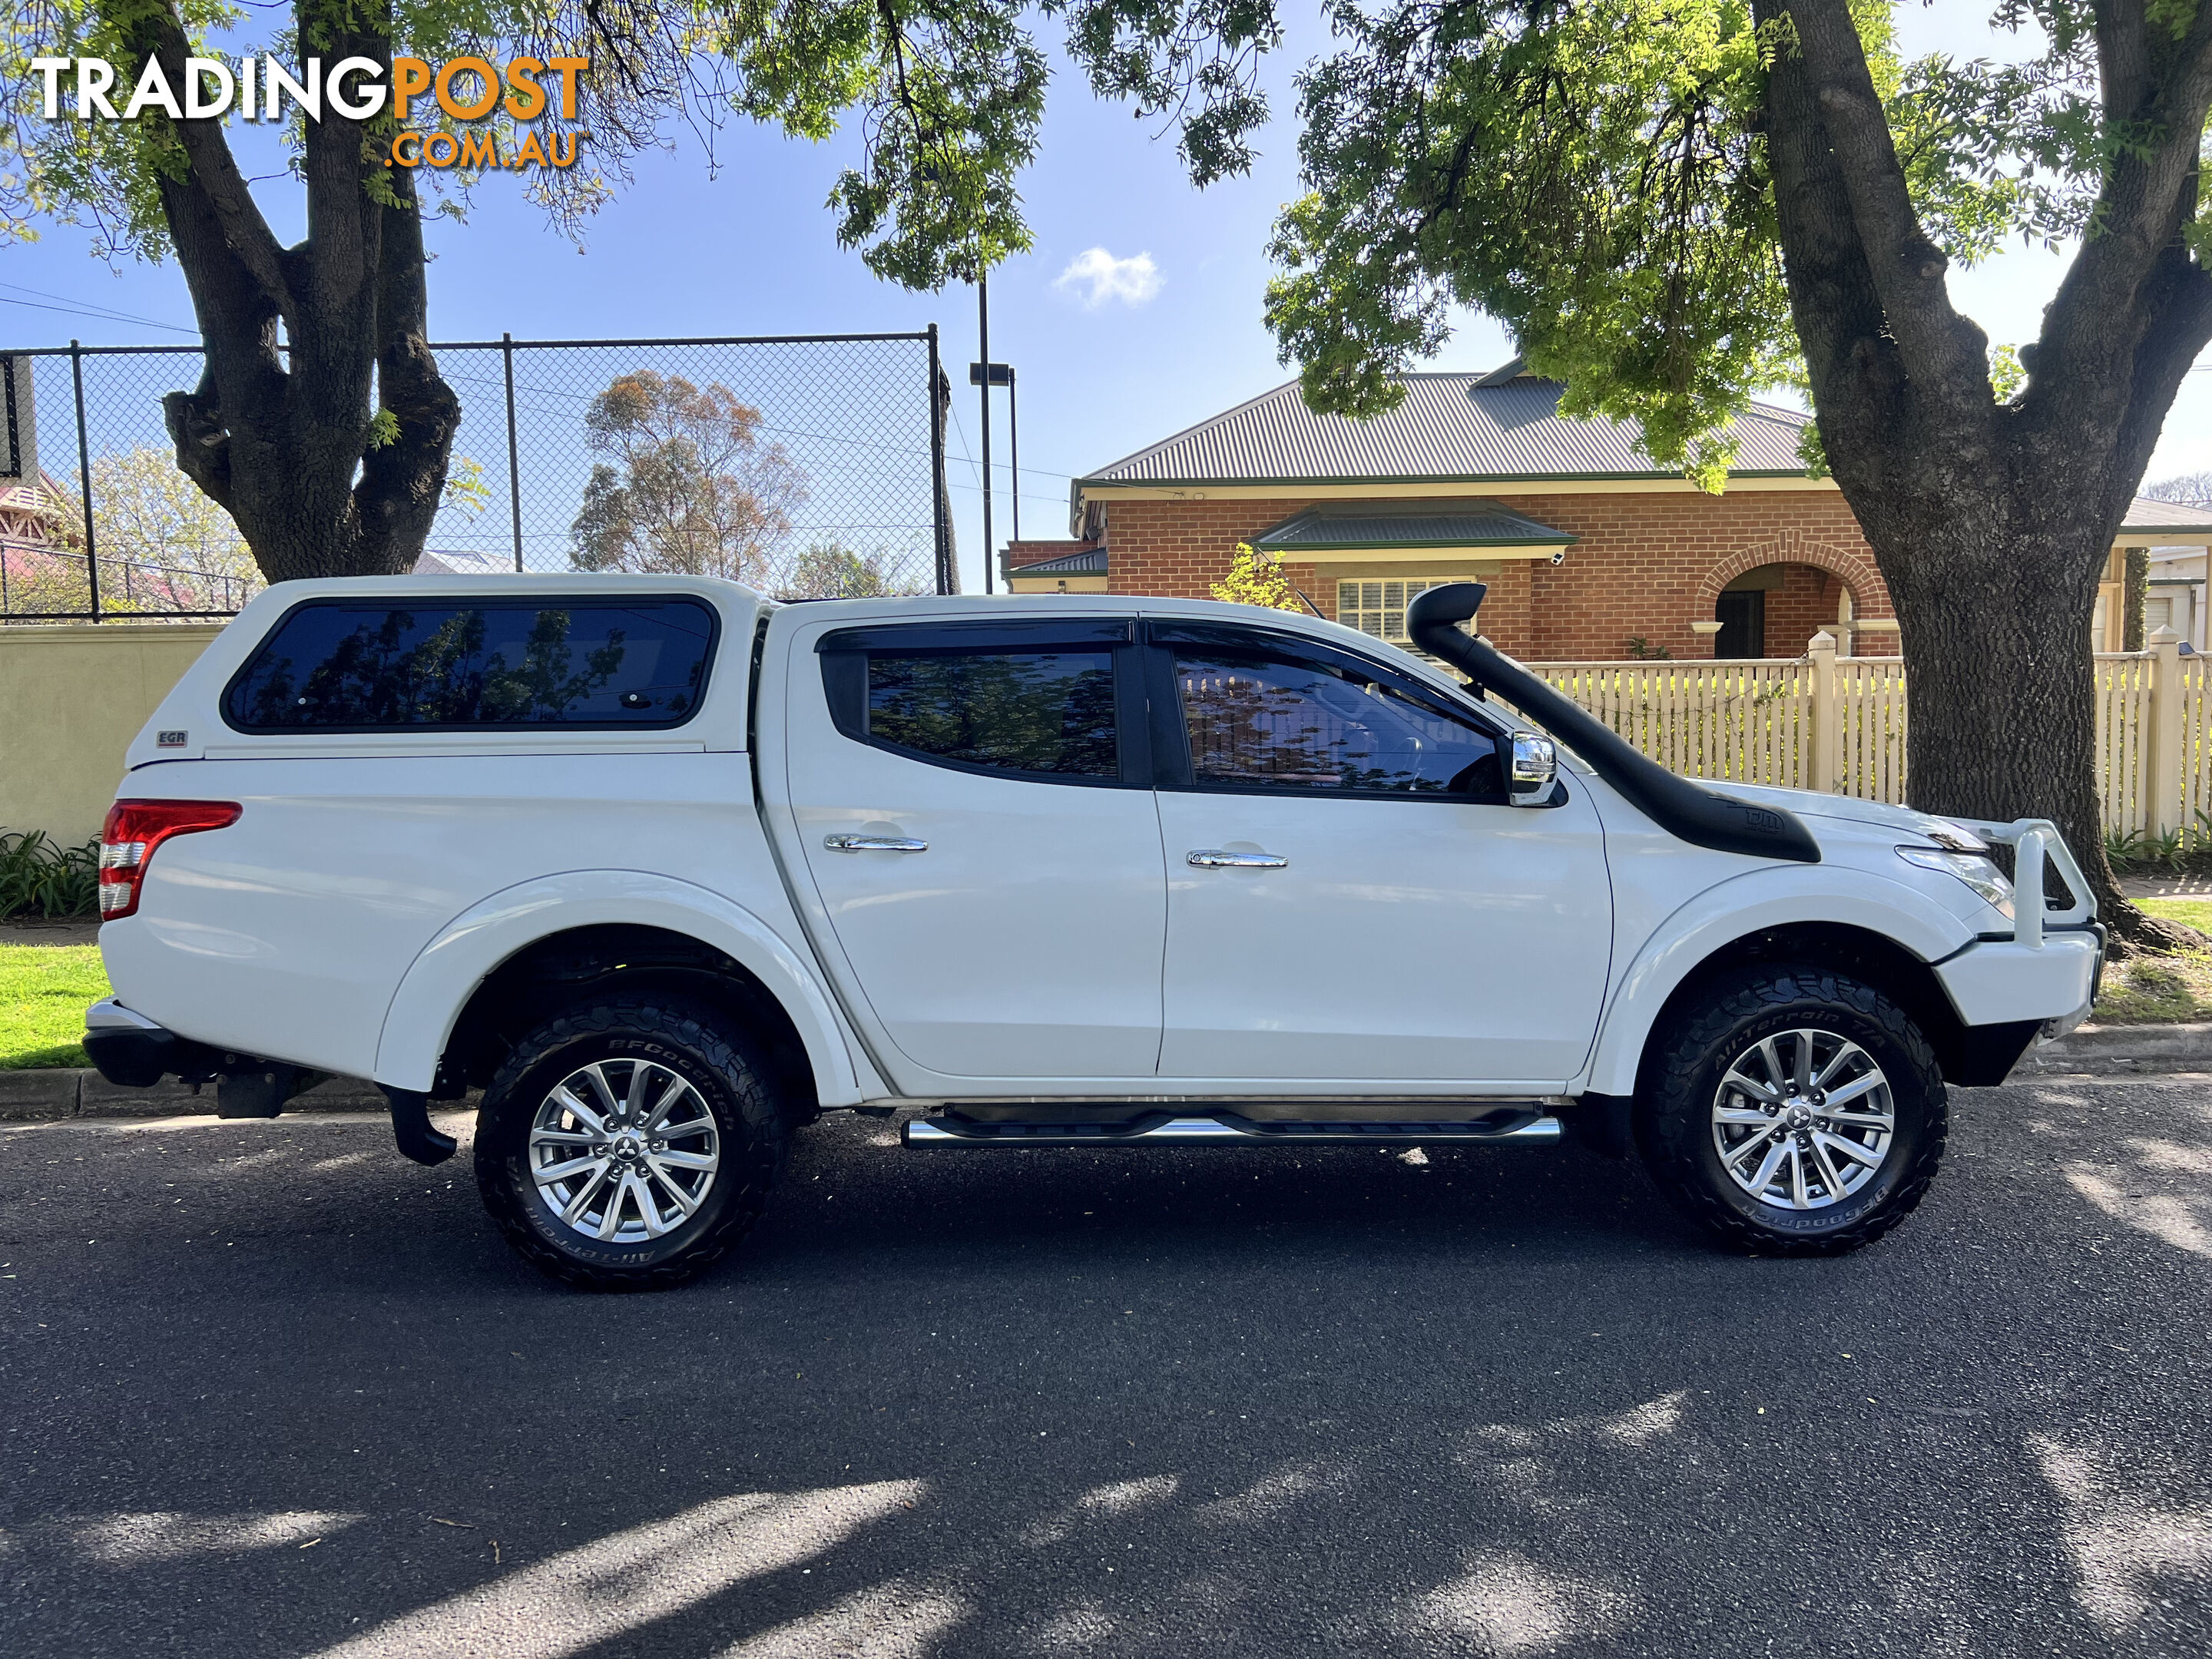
column 667, row 870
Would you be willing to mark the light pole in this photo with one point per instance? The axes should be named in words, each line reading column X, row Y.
column 984, row 376
column 983, row 336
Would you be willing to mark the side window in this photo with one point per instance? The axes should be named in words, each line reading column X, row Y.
column 1283, row 720
column 1015, row 711
column 343, row 665
column 1041, row 707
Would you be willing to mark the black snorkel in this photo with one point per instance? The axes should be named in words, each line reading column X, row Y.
column 1687, row 810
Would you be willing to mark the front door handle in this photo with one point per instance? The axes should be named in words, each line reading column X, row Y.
column 1212, row 858
column 873, row 844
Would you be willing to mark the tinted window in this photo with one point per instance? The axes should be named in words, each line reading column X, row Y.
column 1262, row 721
column 1020, row 711
column 351, row 666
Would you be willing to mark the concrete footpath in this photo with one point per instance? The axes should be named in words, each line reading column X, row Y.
column 44, row 1095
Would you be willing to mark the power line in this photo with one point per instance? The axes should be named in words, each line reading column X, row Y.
column 105, row 314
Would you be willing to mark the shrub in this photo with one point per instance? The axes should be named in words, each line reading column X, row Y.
column 40, row 876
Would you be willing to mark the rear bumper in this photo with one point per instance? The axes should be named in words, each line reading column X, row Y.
column 132, row 1052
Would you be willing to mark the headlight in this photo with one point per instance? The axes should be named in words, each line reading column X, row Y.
column 1975, row 869
column 1956, row 837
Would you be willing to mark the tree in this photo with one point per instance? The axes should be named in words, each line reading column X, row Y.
column 1256, row 578
column 827, row 571
column 322, row 425
column 1671, row 206
column 692, row 489
column 2191, row 489
column 163, row 544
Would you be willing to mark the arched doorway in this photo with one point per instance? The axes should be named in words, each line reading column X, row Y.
column 1774, row 610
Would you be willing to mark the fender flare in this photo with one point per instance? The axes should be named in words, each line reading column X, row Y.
column 419, row 1023
column 1775, row 896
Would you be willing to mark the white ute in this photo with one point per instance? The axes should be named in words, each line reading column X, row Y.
column 668, row 870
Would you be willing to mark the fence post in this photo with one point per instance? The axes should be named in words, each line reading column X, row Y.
column 1821, row 653
column 2164, row 815
column 940, row 505
column 84, row 479
column 513, row 452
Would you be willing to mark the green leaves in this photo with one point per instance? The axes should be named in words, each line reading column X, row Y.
column 949, row 93
column 1588, row 174
column 1199, row 58
column 1594, row 174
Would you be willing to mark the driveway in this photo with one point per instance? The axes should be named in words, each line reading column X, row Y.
column 274, row 1391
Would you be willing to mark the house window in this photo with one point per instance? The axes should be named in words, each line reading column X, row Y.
column 1379, row 608
column 2157, row 614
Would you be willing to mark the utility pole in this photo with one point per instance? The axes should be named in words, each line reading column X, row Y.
column 984, row 332
column 984, row 376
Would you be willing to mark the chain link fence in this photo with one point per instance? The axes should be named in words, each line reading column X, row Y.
column 808, row 466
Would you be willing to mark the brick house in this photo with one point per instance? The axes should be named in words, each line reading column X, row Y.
column 1587, row 546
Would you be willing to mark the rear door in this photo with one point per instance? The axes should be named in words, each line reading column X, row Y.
column 1350, row 899
column 973, row 803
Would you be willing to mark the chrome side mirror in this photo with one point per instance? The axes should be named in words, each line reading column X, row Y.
column 1536, row 766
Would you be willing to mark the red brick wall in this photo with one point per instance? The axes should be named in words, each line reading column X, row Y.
column 1803, row 605
column 1644, row 564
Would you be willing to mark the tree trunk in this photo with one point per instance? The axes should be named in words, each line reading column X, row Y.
column 285, row 436
column 1992, row 522
column 2135, row 593
column 1996, row 636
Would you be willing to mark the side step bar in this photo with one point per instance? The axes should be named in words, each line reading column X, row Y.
column 1518, row 1127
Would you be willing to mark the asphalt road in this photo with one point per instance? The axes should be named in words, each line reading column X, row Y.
column 270, row 1390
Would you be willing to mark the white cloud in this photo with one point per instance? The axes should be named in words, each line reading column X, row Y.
column 1096, row 276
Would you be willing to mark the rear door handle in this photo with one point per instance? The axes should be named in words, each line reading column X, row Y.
column 873, row 844
column 1212, row 858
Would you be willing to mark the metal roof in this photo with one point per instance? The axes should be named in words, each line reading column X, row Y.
column 1451, row 428
column 1413, row 525
column 2146, row 514
column 1088, row 561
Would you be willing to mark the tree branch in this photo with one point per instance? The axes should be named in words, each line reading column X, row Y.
column 1858, row 382
column 2148, row 196
column 214, row 176
column 1937, row 343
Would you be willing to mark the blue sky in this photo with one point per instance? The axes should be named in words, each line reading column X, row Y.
column 752, row 251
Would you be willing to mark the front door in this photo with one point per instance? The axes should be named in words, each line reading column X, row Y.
column 1741, row 613
column 973, row 802
column 1349, row 898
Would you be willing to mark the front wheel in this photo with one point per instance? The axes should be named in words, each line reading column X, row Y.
column 1794, row 1111
column 628, row 1146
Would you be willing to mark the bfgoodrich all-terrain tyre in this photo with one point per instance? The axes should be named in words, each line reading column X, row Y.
column 629, row 1145
column 1792, row 1110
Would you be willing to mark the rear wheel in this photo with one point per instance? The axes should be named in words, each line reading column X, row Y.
column 628, row 1146
column 1794, row 1111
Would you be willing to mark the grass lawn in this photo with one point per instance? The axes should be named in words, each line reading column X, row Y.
column 44, row 991
column 2155, row 990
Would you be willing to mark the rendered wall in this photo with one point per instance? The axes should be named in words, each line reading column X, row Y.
column 72, row 695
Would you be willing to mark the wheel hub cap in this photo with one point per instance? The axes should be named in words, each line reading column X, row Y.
column 623, row 1151
column 1804, row 1119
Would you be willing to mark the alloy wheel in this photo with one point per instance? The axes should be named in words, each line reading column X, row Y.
column 623, row 1151
column 1804, row 1119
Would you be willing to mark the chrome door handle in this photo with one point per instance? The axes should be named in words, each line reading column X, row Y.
column 873, row 844
column 1212, row 858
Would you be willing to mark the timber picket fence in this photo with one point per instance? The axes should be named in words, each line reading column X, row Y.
column 1838, row 725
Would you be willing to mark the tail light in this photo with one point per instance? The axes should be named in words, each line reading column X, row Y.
column 134, row 830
